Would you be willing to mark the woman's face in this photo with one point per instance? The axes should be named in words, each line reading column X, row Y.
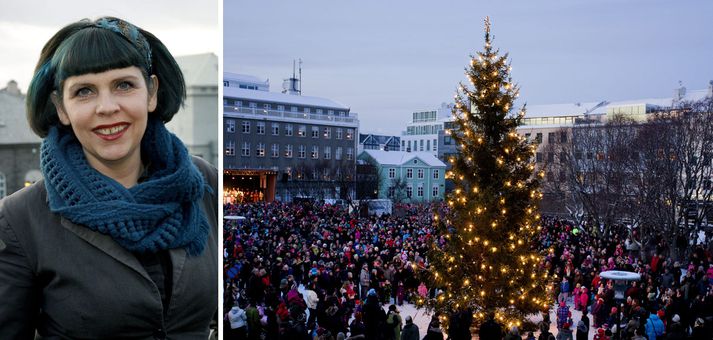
column 108, row 112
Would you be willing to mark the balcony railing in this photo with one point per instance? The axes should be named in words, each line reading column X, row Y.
column 352, row 118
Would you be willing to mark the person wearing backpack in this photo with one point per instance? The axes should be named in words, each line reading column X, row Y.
column 393, row 322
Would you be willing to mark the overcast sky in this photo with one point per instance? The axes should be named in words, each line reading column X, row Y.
column 385, row 59
column 184, row 26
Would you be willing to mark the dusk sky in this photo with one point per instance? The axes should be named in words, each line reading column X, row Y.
column 386, row 59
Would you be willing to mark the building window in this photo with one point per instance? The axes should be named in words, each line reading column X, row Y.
column 392, row 173
column 315, row 132
column 420, row 145
column 302, row 153
column 327, row 152
column 266, row 106
column 307, row 110
column 409, row 191
column 275, row 129
column 551, row 137
column 319, row 111
column 350, row 134
column 350, row 154
column 408, row 149
column 435, row 143
column 260, row 151
column 280, row 107
column 239, row 103
column 563, row 157
column 330, row 112
column 538, row 157
column 288, row 130
column 403, row 145
column 230, row 148
column 339, row 133
column 294, row 109
column 327, row 133
column 409, row 173
column 551, row 157
column 315, row 152
column 563, row 137
column 420, row 173
column 245, row 151
column 302, row 131
column 391, row 192
column 338, row 153
column 253, row 105
column 435, row 173
column 419, row 191
column 434, row 193
column 230, row 125
column 538, row 137
column 275, row 151
column 246, row 126
column 260, row 128
column 288, row 151
column 428, row 145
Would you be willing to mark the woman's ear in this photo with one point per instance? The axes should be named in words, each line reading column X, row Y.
column 57, row 101
column 153, row 93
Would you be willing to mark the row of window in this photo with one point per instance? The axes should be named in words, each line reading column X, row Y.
column 551, row 137
column 418, row 145
column 419, row 191
column 266, row 106
column 260, row 151
column 423, row 129
column 420, row 173
column 260, row 127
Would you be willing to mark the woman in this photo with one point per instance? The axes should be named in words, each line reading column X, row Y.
column 120, row 238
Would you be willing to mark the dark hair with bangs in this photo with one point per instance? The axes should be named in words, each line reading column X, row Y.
column 86, row 47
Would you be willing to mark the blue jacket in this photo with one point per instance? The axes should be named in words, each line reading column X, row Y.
column 654, row 327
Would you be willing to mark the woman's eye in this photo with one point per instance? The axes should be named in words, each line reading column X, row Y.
column 83, row 92
column 124, row 86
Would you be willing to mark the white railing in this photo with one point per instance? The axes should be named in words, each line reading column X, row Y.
column 352, row 118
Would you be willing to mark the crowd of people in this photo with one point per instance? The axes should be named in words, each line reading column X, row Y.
column 315, row 271
column 672, row 300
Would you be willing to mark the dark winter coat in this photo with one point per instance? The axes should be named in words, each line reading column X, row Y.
column 410, row 332
column 82, row 284
column 490, row 330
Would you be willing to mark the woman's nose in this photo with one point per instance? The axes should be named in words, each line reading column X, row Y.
column 107, row 103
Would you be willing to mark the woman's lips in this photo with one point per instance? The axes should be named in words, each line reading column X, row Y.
column 111, row 132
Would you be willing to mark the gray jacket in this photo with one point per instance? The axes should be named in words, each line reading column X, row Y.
column 66, row 281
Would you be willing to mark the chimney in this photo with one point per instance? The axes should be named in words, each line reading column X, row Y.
column 12, row 88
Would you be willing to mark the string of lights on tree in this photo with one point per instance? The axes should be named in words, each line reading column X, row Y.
column 484, row 259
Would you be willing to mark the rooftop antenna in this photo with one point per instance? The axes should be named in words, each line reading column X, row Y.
column 300, row 76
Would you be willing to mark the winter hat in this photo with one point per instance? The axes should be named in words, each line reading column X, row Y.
column 676, row 318
column 409, row 319
column 371, row 292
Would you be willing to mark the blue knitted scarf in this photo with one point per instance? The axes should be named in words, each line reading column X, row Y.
column 161, row 212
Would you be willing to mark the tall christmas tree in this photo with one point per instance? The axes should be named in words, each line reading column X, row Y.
column 485, row 260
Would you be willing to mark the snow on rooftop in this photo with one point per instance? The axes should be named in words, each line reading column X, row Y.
column 242, row 77
column 276, row 97
column 578, row 109
column 401, row 157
